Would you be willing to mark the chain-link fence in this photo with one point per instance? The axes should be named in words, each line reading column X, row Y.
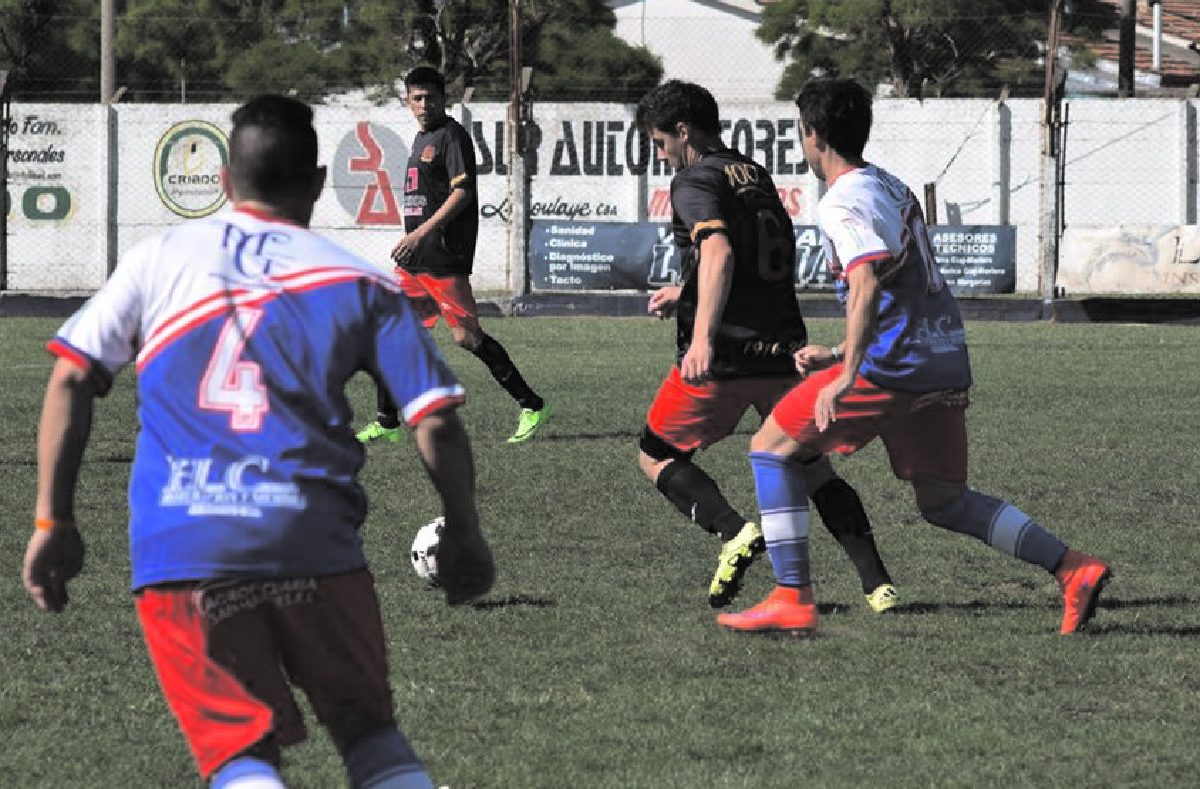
column 86, row 180
column 338, row 50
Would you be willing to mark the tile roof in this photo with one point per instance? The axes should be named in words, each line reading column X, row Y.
column 1180, row 27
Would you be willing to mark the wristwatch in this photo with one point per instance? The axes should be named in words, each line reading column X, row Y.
column 835, row 353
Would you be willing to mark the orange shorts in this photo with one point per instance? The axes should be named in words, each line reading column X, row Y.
column 691, row 417
column 435, row 297
column 224, row 653
column 925, row 434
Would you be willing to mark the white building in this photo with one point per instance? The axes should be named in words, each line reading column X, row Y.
column 710, row 42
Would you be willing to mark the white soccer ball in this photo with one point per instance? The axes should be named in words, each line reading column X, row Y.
column 424, row 550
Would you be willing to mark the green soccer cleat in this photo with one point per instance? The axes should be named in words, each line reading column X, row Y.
column 736, row 557
column 376, row 431
column 529, row 423
column 883, row 598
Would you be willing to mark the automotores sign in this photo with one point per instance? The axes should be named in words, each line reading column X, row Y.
column 187, row 168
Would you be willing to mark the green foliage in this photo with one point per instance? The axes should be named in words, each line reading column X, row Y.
column 222, row 49
column 596, row 661
column 921, row 48
column 214, row 50
column 576, row 63
column 570, row 45
column 44, row 47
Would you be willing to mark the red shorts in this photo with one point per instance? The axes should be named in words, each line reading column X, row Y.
column 925, row 434
column 441, row 297
column 691, row 417
column 225, row 652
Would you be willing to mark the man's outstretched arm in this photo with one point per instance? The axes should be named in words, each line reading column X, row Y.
column 54, row 554
column 465, row 566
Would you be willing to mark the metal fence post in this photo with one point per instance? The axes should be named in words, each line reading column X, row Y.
column 5, row 201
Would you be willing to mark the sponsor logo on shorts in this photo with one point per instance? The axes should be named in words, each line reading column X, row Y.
column 221, row 602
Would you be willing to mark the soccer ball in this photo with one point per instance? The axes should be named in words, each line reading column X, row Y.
column 424, row 550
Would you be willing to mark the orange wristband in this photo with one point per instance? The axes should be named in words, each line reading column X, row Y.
column 46, row 524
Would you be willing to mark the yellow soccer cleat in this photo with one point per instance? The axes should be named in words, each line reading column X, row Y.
column 883, row 598
column 529, row 423
column 376, row 431
column 736, row 557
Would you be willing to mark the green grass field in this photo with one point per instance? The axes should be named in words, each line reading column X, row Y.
column 596, row 661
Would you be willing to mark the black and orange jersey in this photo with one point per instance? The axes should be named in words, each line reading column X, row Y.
column 442, row 160
column 761, row 327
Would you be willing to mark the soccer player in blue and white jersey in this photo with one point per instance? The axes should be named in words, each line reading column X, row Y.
column 901, row 374
column 248, row 569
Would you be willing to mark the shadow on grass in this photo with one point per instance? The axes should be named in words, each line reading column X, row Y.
column 513, row 601
column 1146, row 629
column 623, row 434
column 1147, row 602
column 1114, row 604
column 973, row 605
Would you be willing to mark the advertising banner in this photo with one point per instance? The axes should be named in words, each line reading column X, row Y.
column 599, row 256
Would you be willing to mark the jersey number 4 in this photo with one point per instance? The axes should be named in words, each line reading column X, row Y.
column 232, row 384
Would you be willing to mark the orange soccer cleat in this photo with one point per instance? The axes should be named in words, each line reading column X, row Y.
column 1082, row 578
column 785, row 610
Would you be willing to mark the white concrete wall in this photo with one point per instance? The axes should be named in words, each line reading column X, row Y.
column 1129, row 163
column 56, row 190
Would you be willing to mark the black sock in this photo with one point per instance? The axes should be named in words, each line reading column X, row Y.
column 505, row 372
column 842, row 512
column 697, row 496
column 386, row 412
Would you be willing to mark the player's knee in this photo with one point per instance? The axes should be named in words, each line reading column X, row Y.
column 649, row 466
column 934, row 495
column 384, row 758
column 349, row 723
column 943, row 506
column 247, row 771
column 657, row 451
column 465, row 339
column 771, row 439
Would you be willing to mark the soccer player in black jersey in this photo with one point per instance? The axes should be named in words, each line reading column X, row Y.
column 435, row 256
column 739, row 325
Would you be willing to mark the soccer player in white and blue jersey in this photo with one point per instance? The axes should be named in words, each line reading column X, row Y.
column 248, row 568
column 902, row 374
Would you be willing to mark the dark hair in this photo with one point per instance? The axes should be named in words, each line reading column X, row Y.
column 839, row 111
column 425, row 77
column 273, row 148
column 676, row 101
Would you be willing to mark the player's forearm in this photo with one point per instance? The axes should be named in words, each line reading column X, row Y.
column 716, row 277
column 455, row 203
column 63, row 431
column 446, row 453
column 862, row 305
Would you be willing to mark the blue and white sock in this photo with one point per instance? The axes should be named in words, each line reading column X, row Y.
column 1000, row 525
column 783, row 504
column 246, row 772
column 385, row 760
